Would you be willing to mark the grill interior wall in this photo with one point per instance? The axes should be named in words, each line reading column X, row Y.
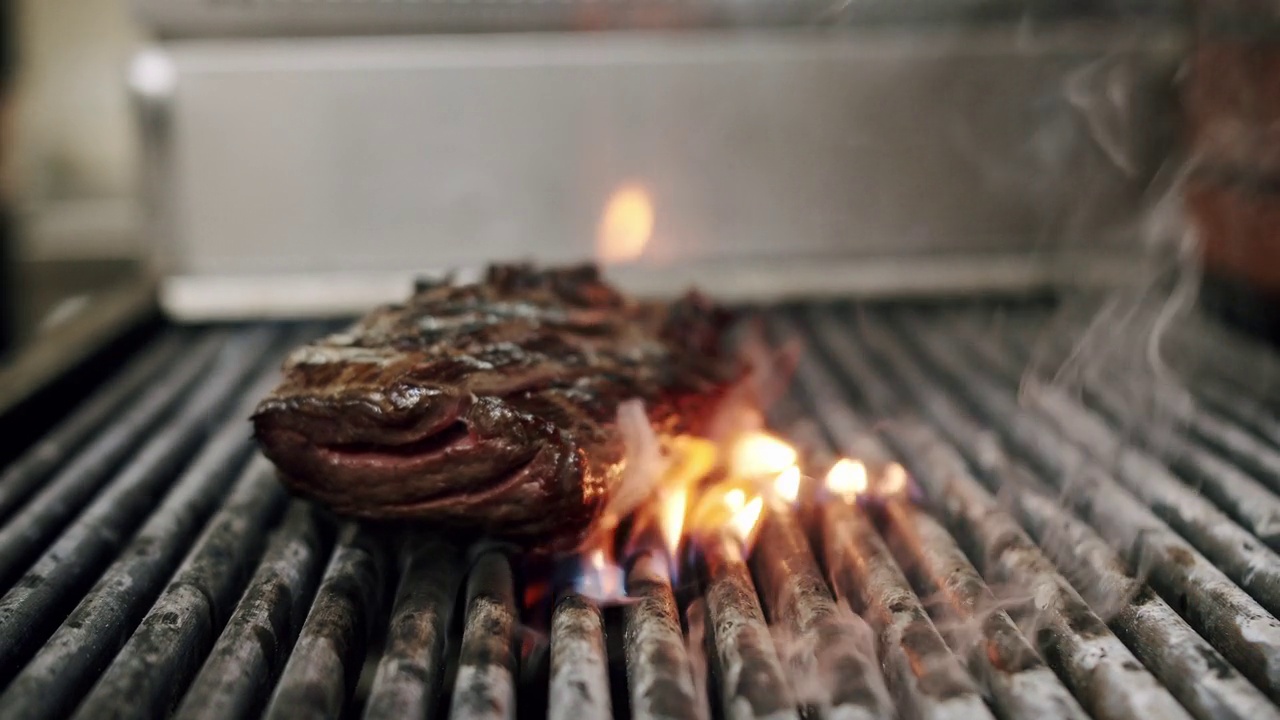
column 1059, row 561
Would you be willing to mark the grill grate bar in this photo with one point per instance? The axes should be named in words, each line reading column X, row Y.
column 1251, row 503
column 1229, row 618
column 924, row 675
column 28, row 611
column 579, row 662
column 411, row 671
column 1073, row 639
column 485, row 685
column 60, row 671
column 1157, row 635
column 273, row 607
column 23, row 535
column 1018, row 686
column 247, row 658
column 1183, row 573
column 1017, row 678
column 325, row 664
column 659, row 674
column 41, row 460
column 1238, row 496
column 1250, row 414
column 831, row 650
column 743, row 657
column 154, row 667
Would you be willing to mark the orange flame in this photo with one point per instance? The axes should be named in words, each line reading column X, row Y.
column 744, row 520
column 758, row 454
column 893, row 480
column 626, row 225
column 671, row 518
column 848, row 479
column 787, row 485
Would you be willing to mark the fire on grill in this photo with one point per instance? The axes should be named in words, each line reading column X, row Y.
column 894, row 534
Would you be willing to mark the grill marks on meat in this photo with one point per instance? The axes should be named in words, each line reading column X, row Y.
column 491, row 406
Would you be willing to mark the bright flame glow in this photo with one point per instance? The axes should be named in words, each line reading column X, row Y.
column 760, row 454
column 671, row 518
column 894, row 480
column 601, row 579
column 787, row 484
column 744, row 519
column 626, row 225
column 735, row 500
column 848, row 479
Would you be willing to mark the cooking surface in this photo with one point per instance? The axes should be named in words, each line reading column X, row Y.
column 153, row 562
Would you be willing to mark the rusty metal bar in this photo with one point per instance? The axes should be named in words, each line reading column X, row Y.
column 86, row 427
column 320, row 676
column 829, row 654
column 411, row 670
column 163, row 655
column 1020, row 683
column 659, row 674
column 31, row 609
column 926, row 678
column 241, row 669
column 753, row 684
column 485, row 686
column 579, row 662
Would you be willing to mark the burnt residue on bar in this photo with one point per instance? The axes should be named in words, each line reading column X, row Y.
column 1244, row 499
column 1241, row 497
column 67, row 663
column 1248, row 413
column 752, row 682
column 1157, row 635
column 98, row 422
column 1233, row 621
column 485, row 685
column 1020, row 683
column 249, row 655
column 1101, row 672
column 30, row 609
column 924, row 675
column 160, row 659
column 659, row 675
column 320, row 677
column 579, row 662
column 411, row 671
column 69, row 660
column 31, row 528
column 829, row 654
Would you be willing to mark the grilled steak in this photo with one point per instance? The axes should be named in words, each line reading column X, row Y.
column 491, row 406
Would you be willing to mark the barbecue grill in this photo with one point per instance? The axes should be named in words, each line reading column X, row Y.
column 1050, row 564
column 1086, row 521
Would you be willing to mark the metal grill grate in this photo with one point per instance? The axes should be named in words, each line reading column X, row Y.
column 155, row 567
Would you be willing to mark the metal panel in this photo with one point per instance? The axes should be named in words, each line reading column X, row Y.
column 367, row 156
column 220, row 18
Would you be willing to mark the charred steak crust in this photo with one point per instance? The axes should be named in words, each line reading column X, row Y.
column 491, row 406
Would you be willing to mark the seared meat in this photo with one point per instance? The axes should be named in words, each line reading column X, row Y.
column 491, row 406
